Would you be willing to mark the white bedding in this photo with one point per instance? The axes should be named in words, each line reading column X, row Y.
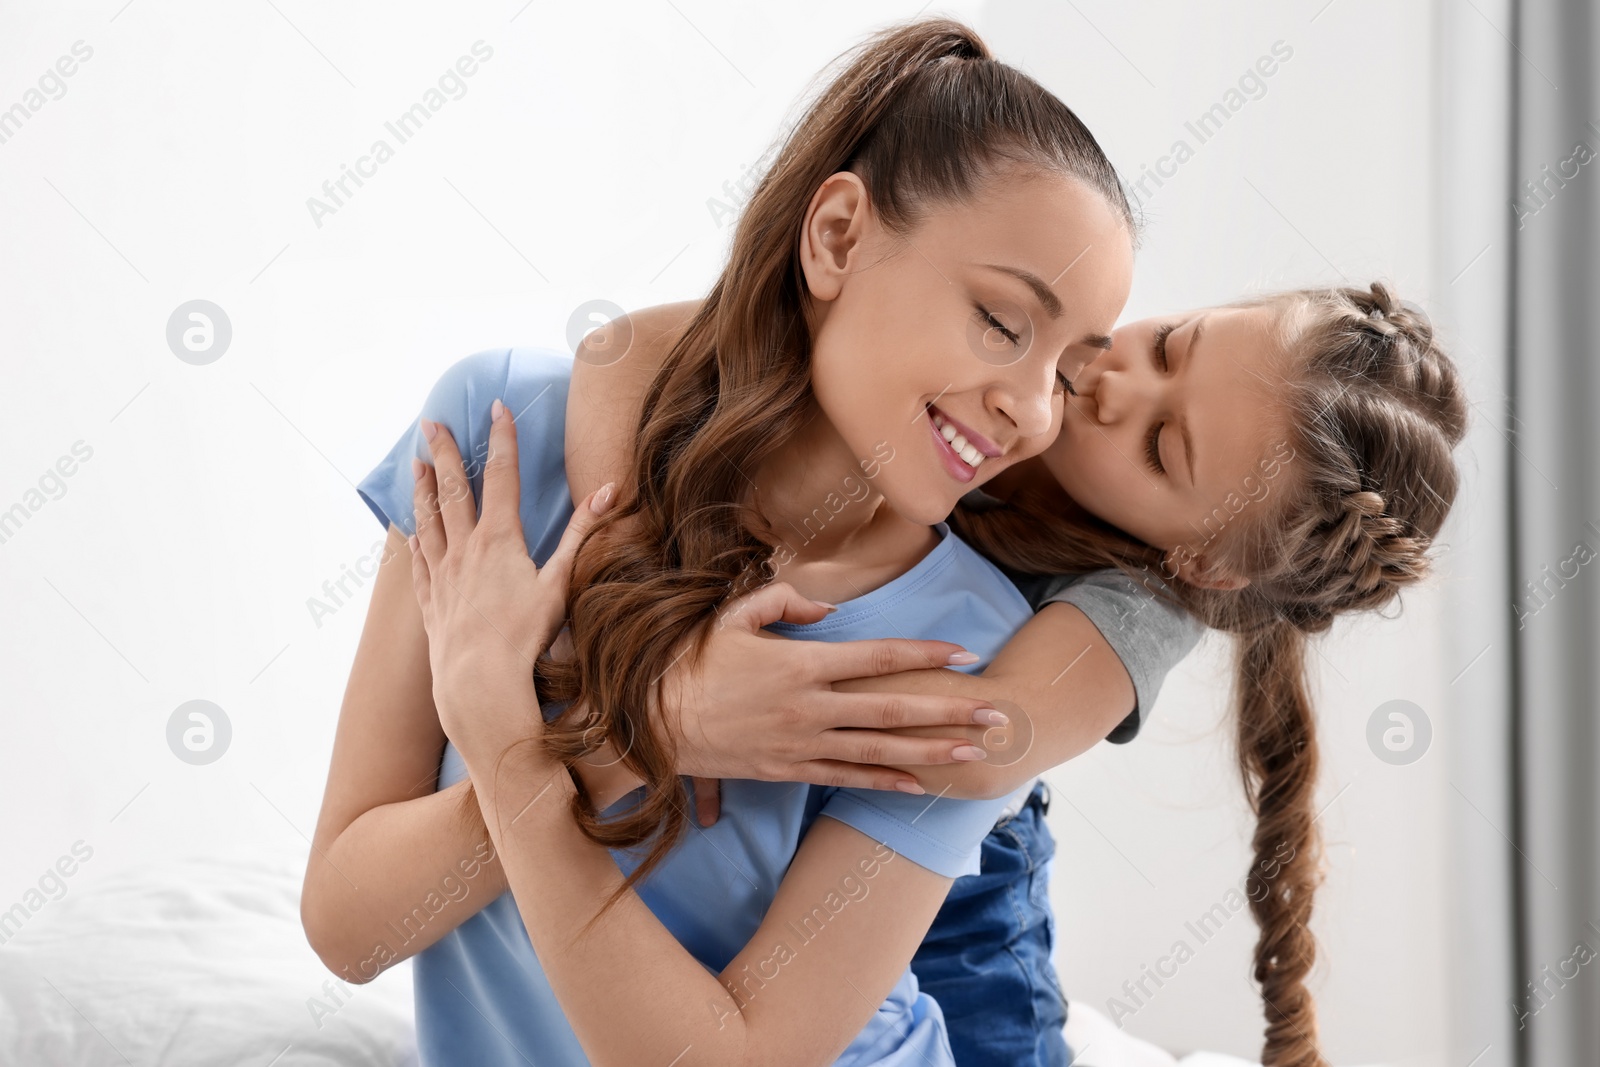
column 200, row 963
column 205, row 963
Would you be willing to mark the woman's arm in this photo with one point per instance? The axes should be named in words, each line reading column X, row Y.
column 631, row 992
column 1058, row 675
column 391, row 869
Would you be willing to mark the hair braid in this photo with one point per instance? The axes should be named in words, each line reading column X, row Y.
column 1374, row 409
column 1278, row 762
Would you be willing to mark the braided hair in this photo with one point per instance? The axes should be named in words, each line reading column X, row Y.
column 1373, row 409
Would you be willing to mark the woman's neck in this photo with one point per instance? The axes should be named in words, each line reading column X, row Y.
column 838, row 537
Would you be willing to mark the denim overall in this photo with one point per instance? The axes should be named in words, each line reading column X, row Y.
column 986, row 958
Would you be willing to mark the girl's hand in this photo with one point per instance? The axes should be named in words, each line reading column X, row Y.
column 489, row 610
column 763, row 706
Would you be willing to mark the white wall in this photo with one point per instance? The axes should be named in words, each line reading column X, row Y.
column 218, row 499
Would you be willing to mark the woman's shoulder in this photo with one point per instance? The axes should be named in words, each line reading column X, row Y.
column 520, row 373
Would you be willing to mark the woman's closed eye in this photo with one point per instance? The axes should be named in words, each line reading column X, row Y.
column 985, row 316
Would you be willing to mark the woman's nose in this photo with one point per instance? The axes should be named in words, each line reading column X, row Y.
column 1029, row 412
column 1024, row 400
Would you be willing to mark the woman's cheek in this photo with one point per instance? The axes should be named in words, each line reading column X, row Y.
column 1058, row 460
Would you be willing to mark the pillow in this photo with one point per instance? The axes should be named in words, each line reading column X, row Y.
column 200, row 962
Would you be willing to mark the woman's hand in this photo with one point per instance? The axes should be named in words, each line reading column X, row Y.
column 488, row 609
column 762, row 706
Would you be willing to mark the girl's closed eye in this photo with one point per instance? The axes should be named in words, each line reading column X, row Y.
column 1152, row 449
column 1158, row 355
column 1159, row 348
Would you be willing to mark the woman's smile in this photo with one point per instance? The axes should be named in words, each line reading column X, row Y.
column 962, row 450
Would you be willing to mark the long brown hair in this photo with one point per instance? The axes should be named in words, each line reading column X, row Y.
column 1374, row 411
column 925, row 116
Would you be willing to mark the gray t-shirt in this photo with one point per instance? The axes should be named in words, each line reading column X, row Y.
column 1147, row 633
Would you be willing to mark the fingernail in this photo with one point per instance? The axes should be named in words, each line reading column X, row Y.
column 970, row 752
column 412, row 541
column 910, row 787
column 602, row 499
column 963, row 658
column 496, row 410
column 990, row 716
column 429, row 429
column 830, row 607
column 416, row 468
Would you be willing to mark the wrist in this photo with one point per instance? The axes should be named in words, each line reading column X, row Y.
column 523, row 789
column 491, row 713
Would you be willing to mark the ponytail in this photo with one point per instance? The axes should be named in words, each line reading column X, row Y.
column 925, row 116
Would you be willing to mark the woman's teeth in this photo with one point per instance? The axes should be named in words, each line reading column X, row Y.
column 957, row 443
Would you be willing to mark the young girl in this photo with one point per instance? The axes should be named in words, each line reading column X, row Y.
column 827, row 360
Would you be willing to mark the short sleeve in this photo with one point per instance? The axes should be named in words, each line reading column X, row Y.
column 1149, row 634
column 942, row 834
column 460, row 401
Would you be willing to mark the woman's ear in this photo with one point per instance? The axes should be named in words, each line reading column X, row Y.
column 1200, row 570
column 831, row 236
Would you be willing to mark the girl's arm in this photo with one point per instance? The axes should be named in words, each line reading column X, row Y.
column 1058, row 677
column 391, row 869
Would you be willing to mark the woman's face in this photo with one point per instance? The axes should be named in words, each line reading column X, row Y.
column 935, row 358
column 1176, row 433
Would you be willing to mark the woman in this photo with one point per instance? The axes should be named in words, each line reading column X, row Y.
column 1021, row 176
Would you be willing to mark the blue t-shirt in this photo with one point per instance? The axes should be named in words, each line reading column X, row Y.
column 481, row 995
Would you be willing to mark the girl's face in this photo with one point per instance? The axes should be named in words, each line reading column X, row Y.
column 1175, row 432
column 938, row 360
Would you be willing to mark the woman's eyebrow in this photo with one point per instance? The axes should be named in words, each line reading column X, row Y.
column 1041, row 291
column 1049, row 300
